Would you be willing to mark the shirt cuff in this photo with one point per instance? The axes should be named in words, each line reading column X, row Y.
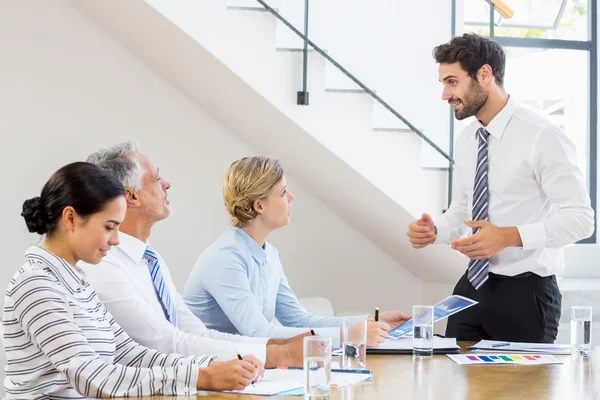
column 333, row 333
column 443, row 232
column 533, row 236
column 187, row 379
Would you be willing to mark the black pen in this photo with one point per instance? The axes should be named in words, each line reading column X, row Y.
column 376, row 313
column 500, row 344
column 241, row 359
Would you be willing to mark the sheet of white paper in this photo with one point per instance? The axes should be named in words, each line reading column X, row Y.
column 281, row 380
column 270, row 388
column 405, row 343
column 513, row 347
column 339, row 379
column 494, row 359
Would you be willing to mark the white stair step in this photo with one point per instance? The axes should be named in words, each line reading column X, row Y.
column 318, row 26
column 249, row 5
column 383, row 118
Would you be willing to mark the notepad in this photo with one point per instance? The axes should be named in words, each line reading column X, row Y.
column 404, row 345
column 494, row 359
column 519, row 347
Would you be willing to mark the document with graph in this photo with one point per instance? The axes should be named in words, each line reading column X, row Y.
column 445, row 308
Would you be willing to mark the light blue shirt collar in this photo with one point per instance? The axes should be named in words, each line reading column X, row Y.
column 258, row 252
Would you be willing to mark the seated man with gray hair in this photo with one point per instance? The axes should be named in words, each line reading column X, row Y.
column 134, row 283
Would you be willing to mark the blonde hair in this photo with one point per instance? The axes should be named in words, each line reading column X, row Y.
column 247, row 180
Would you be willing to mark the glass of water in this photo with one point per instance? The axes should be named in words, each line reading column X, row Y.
column 581, row 331
column 422, row 331
column 354, row 344
column 317, row 367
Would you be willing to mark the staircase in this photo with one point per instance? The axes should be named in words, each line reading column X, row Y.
column 359, row 161
column 224, row 56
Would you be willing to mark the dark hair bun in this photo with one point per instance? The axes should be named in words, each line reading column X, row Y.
column 35, row 216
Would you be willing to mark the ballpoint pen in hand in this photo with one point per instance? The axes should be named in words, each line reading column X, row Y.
column 242, row 359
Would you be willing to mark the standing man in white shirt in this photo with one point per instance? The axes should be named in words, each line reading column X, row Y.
column 518, row 187
column 135, row 285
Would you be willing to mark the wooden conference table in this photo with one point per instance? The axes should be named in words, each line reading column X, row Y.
column 401, row 377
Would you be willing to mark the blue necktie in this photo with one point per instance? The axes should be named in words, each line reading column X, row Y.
column 478, row 269
column 161, row 288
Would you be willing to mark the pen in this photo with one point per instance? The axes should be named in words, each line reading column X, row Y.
column 500, row 344
column 376, row 313
column 241, row 359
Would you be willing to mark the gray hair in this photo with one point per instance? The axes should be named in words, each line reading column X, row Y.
column 115, row 160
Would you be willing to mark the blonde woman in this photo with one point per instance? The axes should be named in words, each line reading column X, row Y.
column 238, row 284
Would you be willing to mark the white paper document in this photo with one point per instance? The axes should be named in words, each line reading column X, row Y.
column 268, row 387
column 276, row 381
column 445, row 308
column 518, row 347
column 406, row 343
column 494, row 359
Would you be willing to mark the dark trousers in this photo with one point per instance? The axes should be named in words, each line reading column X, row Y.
column 525, row 308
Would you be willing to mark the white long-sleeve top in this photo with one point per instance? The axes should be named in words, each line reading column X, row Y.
column 123, row 283
column 61, row 342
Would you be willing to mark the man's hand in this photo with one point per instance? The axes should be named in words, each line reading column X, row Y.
column 488, row 241
column 259, row 368
column 377, row 332
column 289, row 354
column 392, row 318
column 422, row 232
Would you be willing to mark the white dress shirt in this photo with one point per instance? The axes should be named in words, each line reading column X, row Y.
column 61, row 343
column 534, row 183
column 123, row 282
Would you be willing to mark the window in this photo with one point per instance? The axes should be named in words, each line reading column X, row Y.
column 551, row 61
column 540, row 19
column 555, row 82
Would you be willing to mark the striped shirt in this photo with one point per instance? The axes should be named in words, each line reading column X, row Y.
column 61, row 343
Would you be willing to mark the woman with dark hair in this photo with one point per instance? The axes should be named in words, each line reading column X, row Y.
column 60, row 341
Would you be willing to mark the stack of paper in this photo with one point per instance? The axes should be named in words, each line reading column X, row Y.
column 518, row 347
column 404, row 346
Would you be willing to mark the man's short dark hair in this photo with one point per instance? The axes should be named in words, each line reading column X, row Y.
column 472, row 52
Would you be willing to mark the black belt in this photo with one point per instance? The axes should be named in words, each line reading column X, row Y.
column 520, row 276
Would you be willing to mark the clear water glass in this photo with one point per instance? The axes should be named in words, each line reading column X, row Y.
column 317, row 367
column 422, row 331
column 354, row 344
column 581, row 331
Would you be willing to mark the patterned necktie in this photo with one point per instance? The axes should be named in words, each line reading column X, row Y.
column 161, row 288
column 478, row 269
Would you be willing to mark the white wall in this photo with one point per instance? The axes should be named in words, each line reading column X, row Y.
column 68, row 89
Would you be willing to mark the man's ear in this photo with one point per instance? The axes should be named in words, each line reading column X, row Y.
column 132, row 198
column 485, row 75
